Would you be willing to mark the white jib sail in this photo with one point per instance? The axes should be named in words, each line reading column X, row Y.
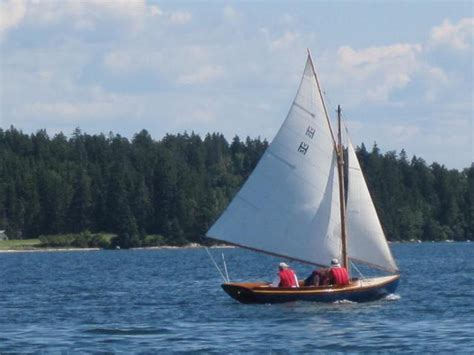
column 365, row 238
column 289, row 205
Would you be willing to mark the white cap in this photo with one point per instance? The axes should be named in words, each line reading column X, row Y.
column 335, row 262
column 283, row 265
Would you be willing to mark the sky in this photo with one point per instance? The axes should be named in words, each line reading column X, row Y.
column 402, row 71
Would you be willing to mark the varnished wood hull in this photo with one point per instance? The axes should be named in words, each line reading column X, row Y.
column 357, row 291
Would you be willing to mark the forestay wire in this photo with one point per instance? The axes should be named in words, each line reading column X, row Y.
column 357, row 269
column 215, row 264
column 225, row 268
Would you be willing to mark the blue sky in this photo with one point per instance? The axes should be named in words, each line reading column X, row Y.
column 401, row 70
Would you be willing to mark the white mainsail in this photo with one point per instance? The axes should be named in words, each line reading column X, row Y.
column 289, row 206
column 365, row 238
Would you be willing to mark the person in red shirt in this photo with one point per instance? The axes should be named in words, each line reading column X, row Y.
column 339, row 275
column 287, row 276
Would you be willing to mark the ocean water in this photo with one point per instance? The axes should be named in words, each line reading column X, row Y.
column 150, row 301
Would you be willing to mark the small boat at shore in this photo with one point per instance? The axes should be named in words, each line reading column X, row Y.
column 307, row 200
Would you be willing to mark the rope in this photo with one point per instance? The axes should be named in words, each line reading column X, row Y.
column 355, row 267
column 225, row 268
column 215, row 264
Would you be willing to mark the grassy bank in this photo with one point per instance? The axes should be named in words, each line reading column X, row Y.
column 79, row 241
column 20, row 244
column 82, row 240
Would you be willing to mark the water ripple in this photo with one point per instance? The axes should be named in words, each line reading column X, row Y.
column 152, row 301
column 129, row 331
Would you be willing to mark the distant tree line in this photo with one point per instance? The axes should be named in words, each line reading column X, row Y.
column 176, row 187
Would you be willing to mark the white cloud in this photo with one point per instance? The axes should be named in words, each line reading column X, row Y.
column 118, row 60
column 180, row 17
column 436, row 82
column 437, row 74
column 414, row 90
column 374, row 73
column 84, row 24
column 202, row 115
column 12, row 13
column 458, row 36
column 375, row 55
column 91, row 62
column 155, row 10
column 170, row 64
column 67, row 112
column 201, row 76
column 231, row 14
column 389, row 83
column 77, row 14
column 123, row 62
column 92, row 8
column 402, row 133
column 397, row 75
column 288, row 19
column 285, row 41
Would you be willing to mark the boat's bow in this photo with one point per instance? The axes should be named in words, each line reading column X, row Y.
column 244, row 291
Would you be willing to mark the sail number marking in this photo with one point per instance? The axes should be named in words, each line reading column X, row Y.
column 310, row 132
column 303, row 148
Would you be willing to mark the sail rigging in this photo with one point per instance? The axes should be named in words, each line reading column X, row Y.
column 289, row 206
column 366, row 239
column 293, row 203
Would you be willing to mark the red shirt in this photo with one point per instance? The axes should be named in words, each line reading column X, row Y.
column 339, row 276
column 287, row 278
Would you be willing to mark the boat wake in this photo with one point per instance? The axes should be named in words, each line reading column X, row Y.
column 392, row 297
column 344, row 302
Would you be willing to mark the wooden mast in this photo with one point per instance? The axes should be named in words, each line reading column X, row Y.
column 340, row 166
column 342, row 198
column 322, row 98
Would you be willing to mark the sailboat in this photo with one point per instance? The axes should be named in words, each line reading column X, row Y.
column 296, row 205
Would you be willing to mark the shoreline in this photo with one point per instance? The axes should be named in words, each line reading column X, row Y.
column 35, row 250
column 187, row 246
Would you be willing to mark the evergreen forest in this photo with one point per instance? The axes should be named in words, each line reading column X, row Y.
column 173, row 189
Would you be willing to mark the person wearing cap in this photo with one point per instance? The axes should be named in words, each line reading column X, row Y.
column 287, row 276
column 339, row 275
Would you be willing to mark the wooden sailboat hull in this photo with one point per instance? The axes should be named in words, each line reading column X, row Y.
column 357, row 291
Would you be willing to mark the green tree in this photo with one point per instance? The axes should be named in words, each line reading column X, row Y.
column 176, row 187
column 80, row 206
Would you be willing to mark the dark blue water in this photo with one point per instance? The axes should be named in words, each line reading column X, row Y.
column 171, row 300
